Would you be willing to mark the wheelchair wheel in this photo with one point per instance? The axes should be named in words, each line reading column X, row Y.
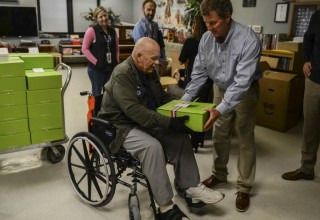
column 91, row 169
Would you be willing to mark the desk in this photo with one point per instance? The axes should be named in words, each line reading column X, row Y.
column 167, row 80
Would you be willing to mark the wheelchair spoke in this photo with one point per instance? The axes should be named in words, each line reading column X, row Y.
column 78, row 166
column 100, row 176
column 95, row 183
column 79, row 155
column 89, row 187
column 80, row 180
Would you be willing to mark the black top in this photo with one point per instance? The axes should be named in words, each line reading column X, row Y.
column 189, row 51
column 311, row 46
column 100, row 47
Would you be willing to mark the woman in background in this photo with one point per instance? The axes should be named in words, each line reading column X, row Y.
column 187, row 56
column 101, row 48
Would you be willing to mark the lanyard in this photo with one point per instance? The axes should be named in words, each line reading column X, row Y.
column 108, row 40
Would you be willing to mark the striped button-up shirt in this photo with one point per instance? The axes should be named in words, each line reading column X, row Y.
column 232, row 65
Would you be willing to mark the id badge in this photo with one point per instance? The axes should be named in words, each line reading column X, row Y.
column 108, row 55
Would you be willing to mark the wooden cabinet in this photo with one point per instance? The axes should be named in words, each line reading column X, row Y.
column 126, row 42
column 287, row 60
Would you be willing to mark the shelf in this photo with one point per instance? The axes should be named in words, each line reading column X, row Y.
column 70, row 45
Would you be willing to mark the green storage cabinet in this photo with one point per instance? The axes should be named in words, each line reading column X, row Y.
column 13, row 98
column 14, row 127
column 12, row 68
column 48, row 79
column 11, row 84
column 47, row 136
column 197, row 115
column 41, row 60
column 44, row 96
column 14, row 141
column 15, row 112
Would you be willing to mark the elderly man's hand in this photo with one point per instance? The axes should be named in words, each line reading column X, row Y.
column 214, row 115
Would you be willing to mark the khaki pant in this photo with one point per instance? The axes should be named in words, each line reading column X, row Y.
column 311, row 126
column 243, row 117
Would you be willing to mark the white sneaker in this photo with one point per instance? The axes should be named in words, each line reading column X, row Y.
column 204, row 194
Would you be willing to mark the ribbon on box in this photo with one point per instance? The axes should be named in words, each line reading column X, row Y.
column 177, row 107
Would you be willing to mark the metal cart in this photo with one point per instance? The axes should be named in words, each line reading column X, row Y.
column 53, row 151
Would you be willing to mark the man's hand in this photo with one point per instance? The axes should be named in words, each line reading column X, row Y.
column 214, row 115
column 176, row 75
column 307, row 69
column 177, row 124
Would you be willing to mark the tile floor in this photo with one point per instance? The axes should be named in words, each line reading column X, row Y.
column 33, row 189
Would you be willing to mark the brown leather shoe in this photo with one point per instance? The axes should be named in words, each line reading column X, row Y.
column 213, row 181
column 297, row 175
column 242, row 201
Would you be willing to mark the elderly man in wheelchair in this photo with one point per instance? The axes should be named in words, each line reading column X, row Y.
column 129, row 102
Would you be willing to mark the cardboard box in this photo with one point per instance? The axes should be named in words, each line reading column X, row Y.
column 47, row 136
column 49, row 79
column 45, row 110
column 41, row 60
column 12, row 68
column 45, row 123
column 280, row 101
column 289, row 45
column 13, row 98
column 198, row 116
column 44, row 96
column 10, row 84
column 14, row 141
column 15, row 112
column 13, row 127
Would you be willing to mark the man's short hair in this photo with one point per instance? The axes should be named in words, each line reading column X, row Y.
column 147, row 1
column 221, row 7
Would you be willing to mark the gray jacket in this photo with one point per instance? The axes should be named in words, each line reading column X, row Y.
column 124, row 105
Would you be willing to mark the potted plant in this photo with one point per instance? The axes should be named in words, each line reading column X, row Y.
column 192, row 9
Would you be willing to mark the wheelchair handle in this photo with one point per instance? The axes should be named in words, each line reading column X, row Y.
column 101, row 122
column 84, row 93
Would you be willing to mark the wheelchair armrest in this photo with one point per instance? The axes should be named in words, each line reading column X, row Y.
column 101, row 122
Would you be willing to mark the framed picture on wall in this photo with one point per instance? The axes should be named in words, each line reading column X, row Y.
column 249, row 3
column 281, row 13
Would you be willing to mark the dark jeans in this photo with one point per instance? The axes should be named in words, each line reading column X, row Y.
column 98, row 79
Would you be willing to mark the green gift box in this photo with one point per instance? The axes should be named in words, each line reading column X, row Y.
column 45, row 123
column 49, row 79
column 45, row 110
column 14, row 141
column 15, row 112
column 44, row 96
column 47, row 136
column 41, row 60
column 14, row 127
column 13, row 98
column 195, row 110
column 10, row 84
column 12, row 68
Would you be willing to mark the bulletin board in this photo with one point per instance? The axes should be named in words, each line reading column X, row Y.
column 300, row 17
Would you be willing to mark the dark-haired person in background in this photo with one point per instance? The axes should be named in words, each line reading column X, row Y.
column 311, row 102
column 229, row 54
column 101, row 48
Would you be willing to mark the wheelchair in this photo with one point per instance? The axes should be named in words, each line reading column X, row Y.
column 94, row 172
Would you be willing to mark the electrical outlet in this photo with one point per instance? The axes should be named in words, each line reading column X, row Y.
column 257, row 28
